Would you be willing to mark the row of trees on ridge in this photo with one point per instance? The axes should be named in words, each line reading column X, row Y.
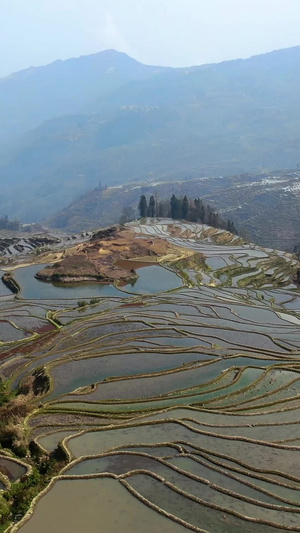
column 183, row 208
column 5, row 223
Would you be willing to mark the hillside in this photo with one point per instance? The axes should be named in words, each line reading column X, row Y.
column 62, row 88
column 113, row 120
column 264, row 207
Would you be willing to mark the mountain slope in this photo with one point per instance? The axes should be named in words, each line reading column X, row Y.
column 228, row 118
column 31, row 96
column 264, row 207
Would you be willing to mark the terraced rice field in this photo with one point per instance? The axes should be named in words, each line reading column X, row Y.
column 178, row 410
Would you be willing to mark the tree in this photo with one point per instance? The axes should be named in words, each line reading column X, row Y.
column 5, row 223
column 163, row 208
column 173, row 204
column 210, row 216
column 152, row 207
column 231, row 227
column 185, row 208
column 216, row 220
column 196, row 211
column 175, row 207
column 127, row 214
column 143, row 206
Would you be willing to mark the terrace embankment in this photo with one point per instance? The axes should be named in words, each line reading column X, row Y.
column 104, row 258
column 11, row 283
column 186, row 402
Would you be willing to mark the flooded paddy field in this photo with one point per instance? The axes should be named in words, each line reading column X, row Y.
column 172, row 405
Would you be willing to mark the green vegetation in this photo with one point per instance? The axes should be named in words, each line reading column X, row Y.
column 94, row 301
column 82, row 303
column 53, row 318
column 15, row 502
column 14, row 407
column 41, row 249
column 5, row 394
column 143, row 206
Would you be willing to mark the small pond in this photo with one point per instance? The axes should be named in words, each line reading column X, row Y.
column 12, row 469
column 151, row 279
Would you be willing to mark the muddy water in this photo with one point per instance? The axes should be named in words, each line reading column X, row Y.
column 11, row 469
column 50, row 441
column 93, row 506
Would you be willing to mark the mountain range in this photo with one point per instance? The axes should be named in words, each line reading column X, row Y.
column 107, row 118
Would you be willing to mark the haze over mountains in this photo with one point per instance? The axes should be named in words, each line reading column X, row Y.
column 106, row 117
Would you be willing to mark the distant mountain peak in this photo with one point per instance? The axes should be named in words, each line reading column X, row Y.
column 109, row 58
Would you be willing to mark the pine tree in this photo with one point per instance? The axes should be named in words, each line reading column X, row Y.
column 152, row 207
column 179, row 209
column 174, row 203
column 182, row 208
column 197, row 209
column 163, row 208
column 231, row 227
column 185, row 208
column 143, row 206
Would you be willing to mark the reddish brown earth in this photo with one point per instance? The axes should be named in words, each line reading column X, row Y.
column 24, row 348
column 103, row 258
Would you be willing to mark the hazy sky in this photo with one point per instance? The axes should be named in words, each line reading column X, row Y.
column 162, row 32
